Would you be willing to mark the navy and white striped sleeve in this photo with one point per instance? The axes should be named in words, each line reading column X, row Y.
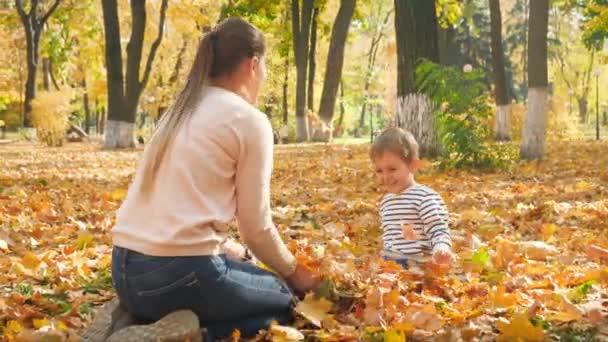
column 434, row 216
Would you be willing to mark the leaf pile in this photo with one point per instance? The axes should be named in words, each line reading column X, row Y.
column 531, row 242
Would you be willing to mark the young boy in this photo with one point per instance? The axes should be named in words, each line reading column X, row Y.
column 414, row 217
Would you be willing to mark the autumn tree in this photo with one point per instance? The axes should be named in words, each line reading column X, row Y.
column 533, row 142
column 301, row 18
column 33, row 22
column 335, row 60
column 503, row 115
column 125, row 90
column 416, row 31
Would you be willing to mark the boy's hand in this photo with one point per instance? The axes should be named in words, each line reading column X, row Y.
column 408, row 232
column 443, row 256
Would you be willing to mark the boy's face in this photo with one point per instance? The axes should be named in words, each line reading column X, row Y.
column 394, row 173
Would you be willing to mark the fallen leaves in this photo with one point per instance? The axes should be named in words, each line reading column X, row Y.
column 519, row 328
column 530, row 241
column 314, row 309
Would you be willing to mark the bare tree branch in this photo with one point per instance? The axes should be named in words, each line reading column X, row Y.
column 20, row 10
column 49, row 12
column 155, row 45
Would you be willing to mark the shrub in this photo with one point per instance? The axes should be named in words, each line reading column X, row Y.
column 462, row 108
column 50, row 115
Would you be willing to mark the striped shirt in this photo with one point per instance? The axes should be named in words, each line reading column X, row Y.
column 414, row 222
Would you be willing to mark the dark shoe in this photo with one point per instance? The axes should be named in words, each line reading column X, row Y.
column 178, row 326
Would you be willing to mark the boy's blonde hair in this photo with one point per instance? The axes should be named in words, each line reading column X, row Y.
column 397, row 141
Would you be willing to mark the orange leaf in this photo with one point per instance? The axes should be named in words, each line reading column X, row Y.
column 519, row 329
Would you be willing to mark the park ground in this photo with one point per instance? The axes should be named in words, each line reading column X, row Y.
column 531, row 241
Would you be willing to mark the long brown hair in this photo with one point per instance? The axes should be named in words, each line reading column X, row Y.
column 219, row 53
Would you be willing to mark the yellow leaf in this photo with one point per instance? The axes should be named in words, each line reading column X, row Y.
column 62, row 326
column 407, row 328
column 313, row 309
column 39, row 323
column 30, row 261
column 118, row 194
column 567, row 312
column 85, row 240
column 582, row 186
column 502, row 300
column 394, row 335
column 519, row 329
column 282, row 333
column 548, row 230
column 13, row 328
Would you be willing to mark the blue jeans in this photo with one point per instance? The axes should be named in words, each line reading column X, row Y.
column 225, row 294
column 401, row 262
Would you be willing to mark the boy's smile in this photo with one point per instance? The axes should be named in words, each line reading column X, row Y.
column 393, row 172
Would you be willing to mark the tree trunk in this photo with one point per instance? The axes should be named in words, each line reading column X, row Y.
column 301, row 29
column 87, row 108
column 115, row 82
column 52, row 75
column 286, row 73
column 46, row 73
column 416, row 35
column 533, row 143
column 30, row 84
column 503, row 128
column 312, row 60
column 312, row 66
column 33, row 25
column 342, row 109
column 285, row 88
column 178, row 63
column 524, row 55
column 124, row 94
column 371, row 62
column 583, row 108
column 335, row 61
column 102, row 121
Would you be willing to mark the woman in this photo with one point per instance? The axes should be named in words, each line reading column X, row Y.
column 209, row 161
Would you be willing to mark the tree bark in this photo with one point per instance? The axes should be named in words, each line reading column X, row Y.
column 371, row 62
column 285, row 88
column 533, row 143
column 583, row 110
column 503, row 127
column 335, row 61
column 52, row 75
column 416, row 35
column 342, row 109
column 33, row 25
column 301, row 29
column 312, row 60
column 102, row 121
column 46, row 73
column 178, row 63
column 87, row 108
column 124, row 94
column 524, row 55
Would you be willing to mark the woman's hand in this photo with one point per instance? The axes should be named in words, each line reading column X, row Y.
column 303, row 279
